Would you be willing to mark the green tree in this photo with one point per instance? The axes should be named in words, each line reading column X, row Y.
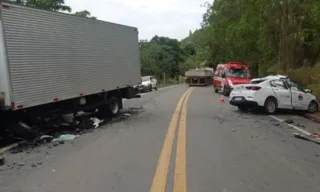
column 53, row 5
column 85, row 13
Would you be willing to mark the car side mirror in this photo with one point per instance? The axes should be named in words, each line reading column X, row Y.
column 308, row 90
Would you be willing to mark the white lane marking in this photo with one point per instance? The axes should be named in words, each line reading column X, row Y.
column 295, row 127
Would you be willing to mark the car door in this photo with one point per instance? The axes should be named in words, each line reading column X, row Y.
column 300, row 99
column 282, row 93
column 153, row 82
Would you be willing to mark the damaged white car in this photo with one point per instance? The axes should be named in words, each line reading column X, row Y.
column 272, row 93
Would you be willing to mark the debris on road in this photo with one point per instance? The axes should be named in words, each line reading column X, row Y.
column 96, row 121
column 300, row 125
column 289, row 121
column 66, row 137
column 45, row 138
column 313, row 137
column 276, row 124
column 220, row 119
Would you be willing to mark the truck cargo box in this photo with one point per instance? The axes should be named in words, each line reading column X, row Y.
column 49, row 56
column 199, row 73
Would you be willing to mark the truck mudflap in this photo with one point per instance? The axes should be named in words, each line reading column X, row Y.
column 2, row 100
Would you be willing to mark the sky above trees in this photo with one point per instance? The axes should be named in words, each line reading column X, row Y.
column 172, row 18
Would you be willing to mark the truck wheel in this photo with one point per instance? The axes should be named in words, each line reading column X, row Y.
column 270, row 105
column 313, row 107
column 112, row 108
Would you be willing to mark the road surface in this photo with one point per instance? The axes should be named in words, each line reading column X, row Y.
column 180, row 139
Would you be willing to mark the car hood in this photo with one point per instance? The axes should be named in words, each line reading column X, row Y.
column 236, row 81
column 145, row 83
column 312, row 97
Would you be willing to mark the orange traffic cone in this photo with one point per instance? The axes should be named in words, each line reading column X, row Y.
column 221, row 99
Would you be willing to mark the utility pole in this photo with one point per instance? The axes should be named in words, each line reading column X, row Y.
column 164, row 78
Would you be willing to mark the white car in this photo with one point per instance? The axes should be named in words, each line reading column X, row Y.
column 148, row 83
column 272, row 93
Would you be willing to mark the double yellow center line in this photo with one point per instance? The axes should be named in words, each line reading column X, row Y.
column 160, row 177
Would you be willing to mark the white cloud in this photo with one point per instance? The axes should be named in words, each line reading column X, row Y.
column 172, row 18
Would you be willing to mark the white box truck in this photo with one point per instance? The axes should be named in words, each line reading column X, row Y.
column 53, row 63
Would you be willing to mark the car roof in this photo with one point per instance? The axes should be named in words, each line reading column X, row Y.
column 271, row 77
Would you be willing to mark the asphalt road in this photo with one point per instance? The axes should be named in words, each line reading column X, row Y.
column 177, row 139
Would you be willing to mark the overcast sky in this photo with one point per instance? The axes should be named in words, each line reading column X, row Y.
column 172, row 18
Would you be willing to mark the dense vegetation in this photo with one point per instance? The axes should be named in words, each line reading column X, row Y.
column 270, row 36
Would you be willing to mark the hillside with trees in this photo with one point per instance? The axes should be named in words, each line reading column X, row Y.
column 271, row 36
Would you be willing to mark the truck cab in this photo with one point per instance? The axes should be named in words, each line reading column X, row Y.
column 229, row 74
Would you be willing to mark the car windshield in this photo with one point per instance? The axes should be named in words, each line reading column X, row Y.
column 295, row 86
column 239, row 73
column 257, row 81
column 147, row 78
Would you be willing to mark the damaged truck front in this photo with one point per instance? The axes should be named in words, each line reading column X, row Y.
column 55, row 63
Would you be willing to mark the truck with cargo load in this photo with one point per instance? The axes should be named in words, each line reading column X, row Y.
column 53, row 63
column 201, row 76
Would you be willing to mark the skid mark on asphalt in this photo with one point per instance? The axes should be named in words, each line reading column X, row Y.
column 160, row 177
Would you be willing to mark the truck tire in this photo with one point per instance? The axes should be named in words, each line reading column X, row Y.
column 112, row 108
column 270, row 105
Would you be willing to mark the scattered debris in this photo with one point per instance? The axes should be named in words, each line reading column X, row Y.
column 20, row 164
column 55, row 144
column 220, row 119
column 16, row 150
column 33, row 165
column 289, row 121
column 45, row 138
column 315, row 135
column 20, row 137
column 233, row 130
column 276, row 124
column 307, row 138
column 66, row 137
column 96, row 121
column 300, row 125
column 2, row 161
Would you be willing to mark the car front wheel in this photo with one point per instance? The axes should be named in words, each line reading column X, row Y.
column 313, row 107
column 270, row 105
